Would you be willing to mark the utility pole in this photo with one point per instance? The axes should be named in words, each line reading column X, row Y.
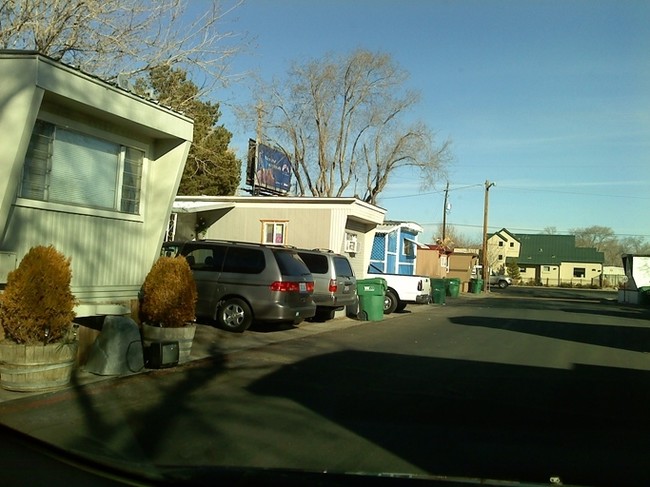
column 258, row 139
column 444, row 214
column 486, row 280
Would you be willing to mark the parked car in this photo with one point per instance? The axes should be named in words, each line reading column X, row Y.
column 335, row 285
column 494, row 279
column 239, row 282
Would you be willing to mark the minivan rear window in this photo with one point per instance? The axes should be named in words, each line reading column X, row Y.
column 244, row 261
column 290, row 263
column 317, row 263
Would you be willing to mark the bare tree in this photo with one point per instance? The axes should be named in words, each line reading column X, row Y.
column 127, row 37
column 595, row 236
column 458, row 239
column 340, row 120
column 602, row 239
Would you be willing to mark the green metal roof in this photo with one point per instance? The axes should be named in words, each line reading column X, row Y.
column 546, row 249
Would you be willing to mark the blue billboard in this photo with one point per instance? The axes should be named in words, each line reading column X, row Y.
column 268, row 169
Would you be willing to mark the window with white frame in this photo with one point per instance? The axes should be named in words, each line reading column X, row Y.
column 274, row 233
column 74, row 168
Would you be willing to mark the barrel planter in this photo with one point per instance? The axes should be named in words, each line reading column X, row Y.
column 36, row 368
column 184, row 335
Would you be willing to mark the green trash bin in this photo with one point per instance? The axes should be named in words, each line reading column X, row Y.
column 476, row 285
column 453, row 287
column 438, row 290
column 371, row 298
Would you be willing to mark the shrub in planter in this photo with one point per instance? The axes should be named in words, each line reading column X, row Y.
column 37, row 305
column 168, row 304
column 38, row 351
column 169, row 294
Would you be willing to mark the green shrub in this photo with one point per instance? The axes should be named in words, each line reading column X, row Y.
column 169, row 294
column 37, row 305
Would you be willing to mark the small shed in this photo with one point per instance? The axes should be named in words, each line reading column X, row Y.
column 89, row 168
column 439, row 261
column 394, row 249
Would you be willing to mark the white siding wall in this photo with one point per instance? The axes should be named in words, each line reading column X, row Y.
column 107, row 255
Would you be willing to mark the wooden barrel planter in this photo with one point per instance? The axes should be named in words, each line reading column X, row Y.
column 184, row 335
column 36, row 368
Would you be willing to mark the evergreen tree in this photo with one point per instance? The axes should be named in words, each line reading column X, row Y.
column 513, row 270
column 212, row 169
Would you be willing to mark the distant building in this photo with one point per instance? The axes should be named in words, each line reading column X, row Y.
column 550, row 260
column 637, row 285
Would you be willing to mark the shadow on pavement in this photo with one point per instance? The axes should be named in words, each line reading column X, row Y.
column 632, row 338
column 464, row 418
column 133, row 434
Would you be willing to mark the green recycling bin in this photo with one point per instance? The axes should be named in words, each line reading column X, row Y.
column 438, row 290
column 476, row 285
column 453, row 287
column 371, row 298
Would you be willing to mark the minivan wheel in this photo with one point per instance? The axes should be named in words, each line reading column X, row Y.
column 234, row 315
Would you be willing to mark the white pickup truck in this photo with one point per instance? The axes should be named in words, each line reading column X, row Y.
column 402, row 290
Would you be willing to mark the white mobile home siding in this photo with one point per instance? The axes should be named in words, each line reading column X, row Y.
column 311, row 222
column 111, row 252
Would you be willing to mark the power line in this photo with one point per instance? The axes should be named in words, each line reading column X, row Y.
column 430, row 192
column 528, row 230
column 512, row 188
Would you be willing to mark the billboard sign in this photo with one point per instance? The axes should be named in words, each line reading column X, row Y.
column 268, row 169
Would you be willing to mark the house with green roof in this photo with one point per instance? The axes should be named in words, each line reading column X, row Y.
column 551, row 260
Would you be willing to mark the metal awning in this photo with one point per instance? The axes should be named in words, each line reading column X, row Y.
column 417, row 244
column 199, row 206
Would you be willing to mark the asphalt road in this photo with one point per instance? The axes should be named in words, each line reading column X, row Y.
column 520, row 384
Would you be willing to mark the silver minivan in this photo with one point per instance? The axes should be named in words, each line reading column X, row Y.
column 335, row 285
column 239, row 282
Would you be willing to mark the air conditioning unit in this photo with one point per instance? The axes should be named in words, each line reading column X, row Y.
column 351, row 245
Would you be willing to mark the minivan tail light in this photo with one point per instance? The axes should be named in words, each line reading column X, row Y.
column 333, row 287
column 292, row 287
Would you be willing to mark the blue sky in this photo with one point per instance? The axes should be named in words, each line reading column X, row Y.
column 550, row 100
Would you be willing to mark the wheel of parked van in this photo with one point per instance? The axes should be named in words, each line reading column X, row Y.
column 234, row 315
column 503, row 284
column 400, row 307
column 390, row 302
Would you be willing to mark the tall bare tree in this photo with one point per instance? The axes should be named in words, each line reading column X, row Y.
column 602, row 239
column 128, row 37
column 342, row 123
